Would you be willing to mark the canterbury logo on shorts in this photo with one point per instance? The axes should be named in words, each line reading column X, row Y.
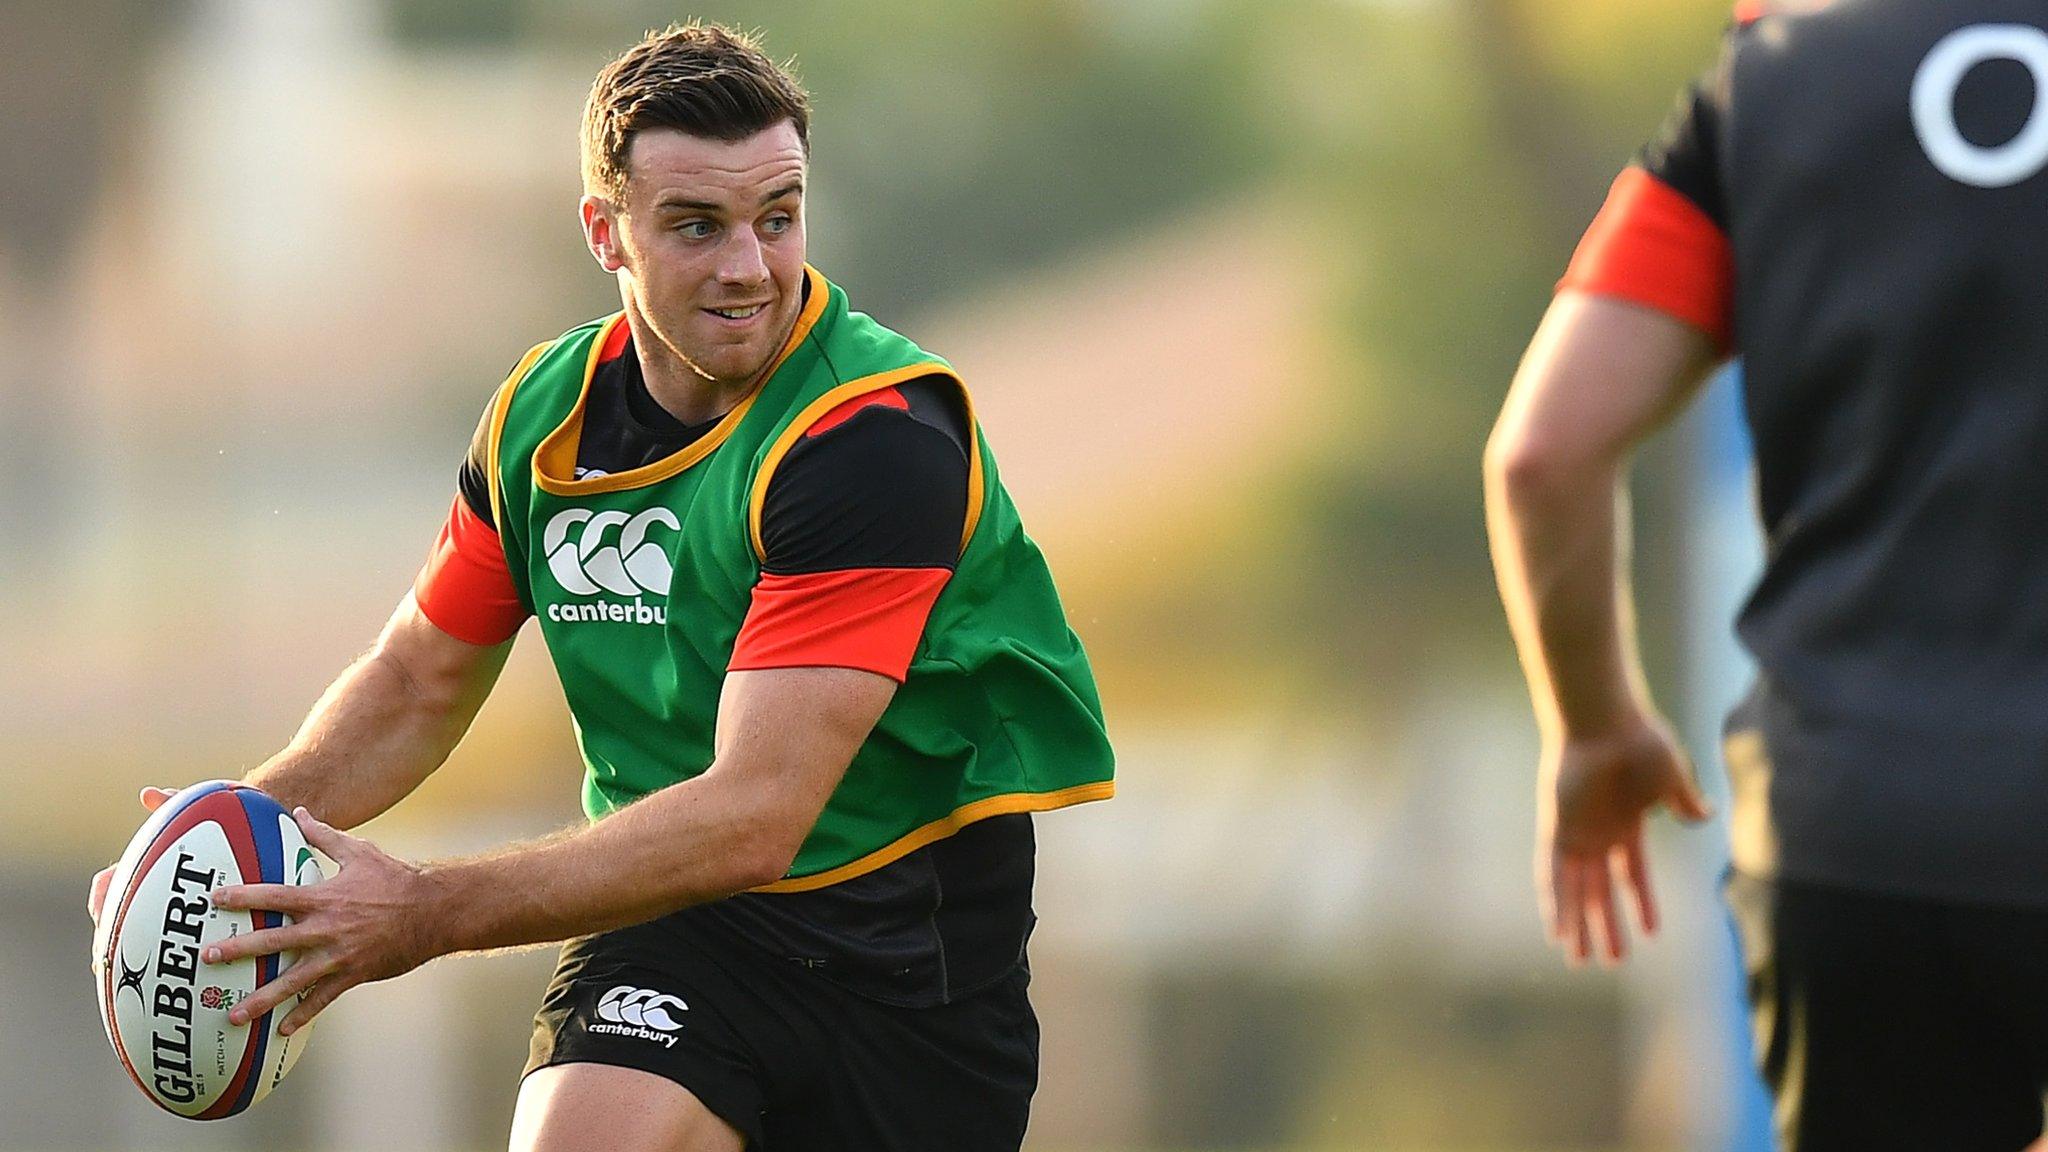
column 642, row 1013
column 595, row 553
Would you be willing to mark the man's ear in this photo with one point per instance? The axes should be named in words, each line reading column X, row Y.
column 601, row 232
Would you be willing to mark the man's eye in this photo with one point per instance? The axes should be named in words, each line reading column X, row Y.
column 777, row 225
column 697, row 229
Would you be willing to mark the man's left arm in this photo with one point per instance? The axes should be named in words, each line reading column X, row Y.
column 1600, row 375
column 1646, row 307
column 785, row 737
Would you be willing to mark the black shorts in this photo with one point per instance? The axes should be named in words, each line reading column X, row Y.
column 792, row 1060
column 1886, row 1022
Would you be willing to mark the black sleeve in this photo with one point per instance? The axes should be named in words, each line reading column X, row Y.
column 883, row 488
column 474, row 478
column 1686, row 153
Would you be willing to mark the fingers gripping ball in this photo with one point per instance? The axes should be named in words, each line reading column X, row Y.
column 166, row 1013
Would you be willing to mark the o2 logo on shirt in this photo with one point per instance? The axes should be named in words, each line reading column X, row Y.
column 586, row 559
column 1934, row 109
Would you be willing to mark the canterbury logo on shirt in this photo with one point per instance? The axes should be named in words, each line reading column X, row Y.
column 590, row 553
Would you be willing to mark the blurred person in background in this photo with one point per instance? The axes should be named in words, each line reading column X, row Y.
column 820, row 678
column 1853, row 201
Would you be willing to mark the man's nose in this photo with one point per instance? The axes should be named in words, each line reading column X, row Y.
column 743, row 262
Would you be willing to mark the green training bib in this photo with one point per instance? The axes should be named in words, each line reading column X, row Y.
column 641, row 579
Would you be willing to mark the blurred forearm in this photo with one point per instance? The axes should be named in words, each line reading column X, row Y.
column 1559, row 555
column 1599, row 376
column 385, row 724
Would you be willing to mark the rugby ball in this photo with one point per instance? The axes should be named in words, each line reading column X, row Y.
column 166, row 1011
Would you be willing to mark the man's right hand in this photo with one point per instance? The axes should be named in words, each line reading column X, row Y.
column 152, row 799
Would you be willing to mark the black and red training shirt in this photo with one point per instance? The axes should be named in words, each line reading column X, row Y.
column 1854, row 200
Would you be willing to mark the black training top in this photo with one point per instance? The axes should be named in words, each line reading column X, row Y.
column 1875, row 172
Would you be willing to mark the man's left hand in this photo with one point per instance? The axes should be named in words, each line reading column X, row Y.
column 1593, row 795
column 362, row 924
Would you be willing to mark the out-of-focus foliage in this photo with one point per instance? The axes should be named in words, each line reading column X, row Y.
column 956, row 143
column 69, row 88
column 1462, row 148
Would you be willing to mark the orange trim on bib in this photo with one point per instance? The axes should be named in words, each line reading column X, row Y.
column 882, row 398
column 945, row 826
column 817, row 409
column 500, row 405
column 554, row 461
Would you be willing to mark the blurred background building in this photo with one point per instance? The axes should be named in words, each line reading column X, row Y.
column 1238, row 285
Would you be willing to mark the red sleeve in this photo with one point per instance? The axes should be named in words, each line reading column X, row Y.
column 1652, row 246
column 465, row 587
column 865, row 618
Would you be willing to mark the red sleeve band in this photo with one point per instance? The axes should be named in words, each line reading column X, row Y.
column 1652, row 246
column 465, row 587
column 865, row 618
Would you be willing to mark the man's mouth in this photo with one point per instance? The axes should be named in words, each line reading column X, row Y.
column 744, row 313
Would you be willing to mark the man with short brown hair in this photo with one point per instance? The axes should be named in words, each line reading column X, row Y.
column 715, row 80
column 819, row 674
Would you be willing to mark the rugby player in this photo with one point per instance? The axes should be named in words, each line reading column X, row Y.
column 1853, row 201
column 819, row 674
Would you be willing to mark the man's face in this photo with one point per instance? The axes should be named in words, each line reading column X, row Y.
column 711, row 241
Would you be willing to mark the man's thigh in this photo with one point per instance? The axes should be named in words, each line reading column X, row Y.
column 603, row 1108
column 1868, row 1030
column 655, row 1007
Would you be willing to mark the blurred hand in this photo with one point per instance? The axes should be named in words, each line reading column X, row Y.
column 361, row 924
column 152, row 799
column 1591, row 796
